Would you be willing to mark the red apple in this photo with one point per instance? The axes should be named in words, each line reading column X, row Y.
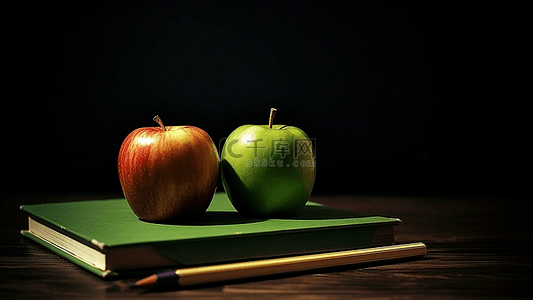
column 168, row 173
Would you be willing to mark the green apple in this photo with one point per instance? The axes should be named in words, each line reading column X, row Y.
column 268, row 171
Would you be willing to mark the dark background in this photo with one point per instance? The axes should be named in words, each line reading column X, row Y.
column 402, row 98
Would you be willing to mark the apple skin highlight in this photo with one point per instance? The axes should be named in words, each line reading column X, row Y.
column 169, row 173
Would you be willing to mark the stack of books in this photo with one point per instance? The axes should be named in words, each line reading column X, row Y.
column 106, row 238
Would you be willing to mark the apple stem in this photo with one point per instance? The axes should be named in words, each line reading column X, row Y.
column 158, row 120
column 272, row 114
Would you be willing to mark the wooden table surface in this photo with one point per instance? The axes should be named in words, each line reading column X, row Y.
column 478, row 247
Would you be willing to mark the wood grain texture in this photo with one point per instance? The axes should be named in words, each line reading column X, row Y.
column 477, row 249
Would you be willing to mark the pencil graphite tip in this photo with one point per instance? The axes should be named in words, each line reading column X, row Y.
column 142, row 286
column 148, row 282
column 157, row 280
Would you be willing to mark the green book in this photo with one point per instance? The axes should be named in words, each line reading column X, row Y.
column 106, row 238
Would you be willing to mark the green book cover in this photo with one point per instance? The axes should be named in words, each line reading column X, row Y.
column 106, row 237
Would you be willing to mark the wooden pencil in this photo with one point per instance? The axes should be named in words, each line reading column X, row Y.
column 250, row 269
